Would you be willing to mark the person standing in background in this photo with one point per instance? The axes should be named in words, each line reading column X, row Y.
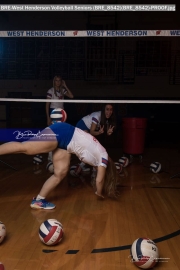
column 58, row 91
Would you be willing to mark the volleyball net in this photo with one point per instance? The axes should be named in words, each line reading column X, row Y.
column 31, row 113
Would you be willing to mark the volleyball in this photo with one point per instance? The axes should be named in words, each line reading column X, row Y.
column 118, row 167
column 51, row 232
column 124, row 161
column 75, row 170
column 2, row 231
column 144, row 253
column 50, row 167
column 155, row 167
column 58, row 115
column 37, row 159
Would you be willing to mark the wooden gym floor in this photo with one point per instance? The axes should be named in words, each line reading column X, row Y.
column 98, row 233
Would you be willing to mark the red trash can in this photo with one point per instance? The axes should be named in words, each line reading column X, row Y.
column 134, row 131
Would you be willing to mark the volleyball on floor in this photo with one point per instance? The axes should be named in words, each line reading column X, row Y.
column 37, row 159
column 58, row 115
column 2, row 231
column 144, row 253
column 51, row 232
column 155, row 167
column 75, row 170
column 124, row 161
column 50, row 167
column 118, row 167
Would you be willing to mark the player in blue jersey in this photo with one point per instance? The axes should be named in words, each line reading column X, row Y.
column 64, row 139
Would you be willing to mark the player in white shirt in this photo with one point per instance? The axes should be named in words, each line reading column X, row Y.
column 96, row 124
column 99, row 122
column 94, row 117
column 63, row 140
column 58, row 91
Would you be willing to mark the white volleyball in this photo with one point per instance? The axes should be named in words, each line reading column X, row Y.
column 155, row 167
column 2, row 231
column 124, row 161
column 37, row 159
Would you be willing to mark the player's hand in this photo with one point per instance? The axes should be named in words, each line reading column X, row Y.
column 63, row 83
column 110, row 130
column 101, row 130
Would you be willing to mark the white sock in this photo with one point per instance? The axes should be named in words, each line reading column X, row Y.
column 39, row 197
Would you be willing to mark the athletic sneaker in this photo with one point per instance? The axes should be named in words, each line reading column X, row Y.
column 41, row 204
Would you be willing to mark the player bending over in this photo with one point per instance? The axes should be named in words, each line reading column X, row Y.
column 64, row 139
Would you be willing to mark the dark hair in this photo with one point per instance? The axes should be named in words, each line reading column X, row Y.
column 111, row 121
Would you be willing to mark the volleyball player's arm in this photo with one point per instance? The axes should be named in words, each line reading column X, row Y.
column 100, row 181
column 110, row 130
column 68, row 91
column 93, row 130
